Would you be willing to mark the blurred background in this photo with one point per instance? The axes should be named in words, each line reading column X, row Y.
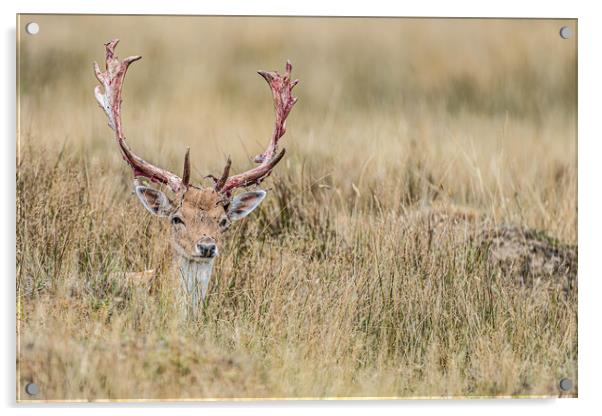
column 371, row 89
column 374, row 93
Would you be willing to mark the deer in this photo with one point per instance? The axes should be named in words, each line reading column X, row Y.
column 199, row 215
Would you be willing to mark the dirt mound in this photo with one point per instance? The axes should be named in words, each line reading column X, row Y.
column 526, row 255
column 515, row 253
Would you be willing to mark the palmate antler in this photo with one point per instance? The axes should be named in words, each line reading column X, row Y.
column 109, row 99
column 282, row 87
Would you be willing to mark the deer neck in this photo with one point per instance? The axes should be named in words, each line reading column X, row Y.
column 194, row 280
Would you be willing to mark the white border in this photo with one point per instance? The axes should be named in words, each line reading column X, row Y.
column 590, row 207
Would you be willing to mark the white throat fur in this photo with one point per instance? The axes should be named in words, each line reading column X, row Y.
column 194, row 280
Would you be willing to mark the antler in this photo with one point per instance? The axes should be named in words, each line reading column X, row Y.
column 284, row 101
column 109, row 99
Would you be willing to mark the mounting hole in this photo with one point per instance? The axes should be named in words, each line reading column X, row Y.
column 566, row 32
column 32, row 28
column 32, row 389
column 566, row 384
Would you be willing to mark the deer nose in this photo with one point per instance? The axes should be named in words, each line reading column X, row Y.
column 206, row 247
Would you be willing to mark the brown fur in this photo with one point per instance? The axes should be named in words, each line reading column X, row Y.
column 201, row 210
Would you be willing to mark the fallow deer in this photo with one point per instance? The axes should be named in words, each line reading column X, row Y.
column 198, row 215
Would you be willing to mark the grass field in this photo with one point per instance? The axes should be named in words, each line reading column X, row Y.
column 328, row 290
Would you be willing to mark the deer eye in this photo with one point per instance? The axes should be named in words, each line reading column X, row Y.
column 224, row 223
column 175, row 220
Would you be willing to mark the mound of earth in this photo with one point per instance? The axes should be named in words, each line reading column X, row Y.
column 518, row 254
column 526, row 255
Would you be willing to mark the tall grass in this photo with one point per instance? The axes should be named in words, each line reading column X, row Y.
column 328, row 290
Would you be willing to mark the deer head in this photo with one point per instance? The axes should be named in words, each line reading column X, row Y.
column 198, row 215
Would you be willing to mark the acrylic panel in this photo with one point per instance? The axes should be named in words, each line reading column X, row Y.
column 292, row 207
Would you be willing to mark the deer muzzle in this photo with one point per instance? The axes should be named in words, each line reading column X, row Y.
column 206, row 248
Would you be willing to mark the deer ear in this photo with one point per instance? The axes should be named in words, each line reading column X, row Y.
column 243, row 204
column 154, row 201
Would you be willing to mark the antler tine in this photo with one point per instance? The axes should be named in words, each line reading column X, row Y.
column 109, row 99
column 222, row 180
column 281, row 87
column 186, row 173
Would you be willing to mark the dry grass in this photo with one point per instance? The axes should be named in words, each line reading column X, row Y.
column 328, row 290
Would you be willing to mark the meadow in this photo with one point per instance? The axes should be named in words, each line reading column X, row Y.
column 328, row 290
